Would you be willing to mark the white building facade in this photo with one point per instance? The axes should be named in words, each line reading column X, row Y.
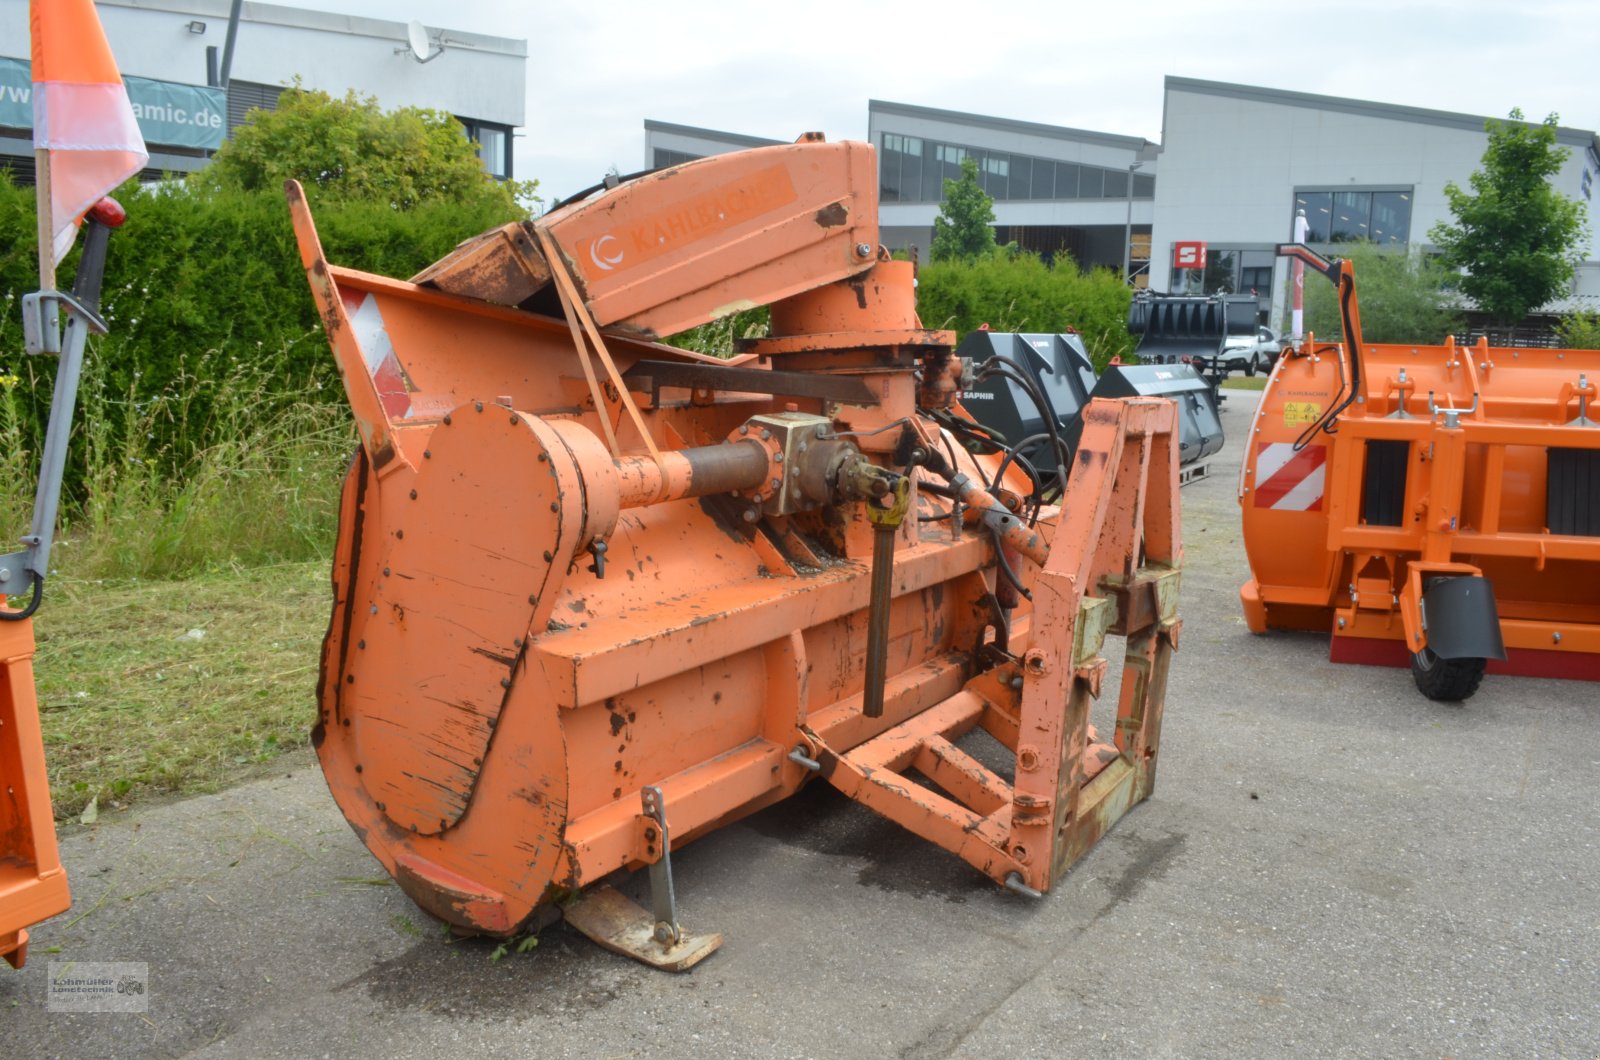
column 1237, row 162
column 172, row 55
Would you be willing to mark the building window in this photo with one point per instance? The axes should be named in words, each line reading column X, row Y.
column 1351, row 215
column 914, row 170
column 494, row 145
column 664, row 158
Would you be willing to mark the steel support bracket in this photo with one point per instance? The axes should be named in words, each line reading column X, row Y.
column 653, row 936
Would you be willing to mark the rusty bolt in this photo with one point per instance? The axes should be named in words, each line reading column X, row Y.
column 555, row 506
column 744, row 428
column 548, row 556
column 413, row 494
column 361, row 644
column 650, row 834
column 1027, row 759
column 766, row 435
column 350, row 679
column 477, row 406
column 399, row 534
column 777, row 457
column 534, row 600
column 447, row 419
column 386, row 572
column 751, row 515
column 427, row 454
column 543, row 457
column 358, row 767
column 777, row 482
column 863, row 250
column 505, row 682
column 1556, row 637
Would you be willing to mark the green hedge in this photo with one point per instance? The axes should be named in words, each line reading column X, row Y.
column 1021, row 293
column 203, row 281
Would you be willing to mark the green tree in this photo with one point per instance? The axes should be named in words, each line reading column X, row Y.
column 1516, row 236
column 1580, row 331
column 1403, row 298
column 964, row 231
column 349, row 150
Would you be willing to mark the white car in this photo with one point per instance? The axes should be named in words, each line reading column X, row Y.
column 1251, row 352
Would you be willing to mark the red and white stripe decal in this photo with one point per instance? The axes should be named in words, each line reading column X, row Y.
column 1290, row 481
column 388, row 377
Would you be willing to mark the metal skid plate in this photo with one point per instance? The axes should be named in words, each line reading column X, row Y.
column 613, row 920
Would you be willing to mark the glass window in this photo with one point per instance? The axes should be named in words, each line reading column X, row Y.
column 1318, row 206
column 1021, row 180
column 993, row 171
column 911, row 169
column 933, row 173
column 1091, row 182
column 1144, row 186
column 1116, row 184
column 1044, row 178
column 1391, row 217
column 1067, row 180
column 1352, row 216
column 1256, row 280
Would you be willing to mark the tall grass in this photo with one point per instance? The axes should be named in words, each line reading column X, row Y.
column 228, row 463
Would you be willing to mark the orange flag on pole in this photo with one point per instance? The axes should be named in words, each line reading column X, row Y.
column 84, row 133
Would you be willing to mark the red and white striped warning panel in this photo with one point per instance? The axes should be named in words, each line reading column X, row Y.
column 388, row 375
column 1290, row 481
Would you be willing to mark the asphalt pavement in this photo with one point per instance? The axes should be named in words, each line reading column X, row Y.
column 1330, row 865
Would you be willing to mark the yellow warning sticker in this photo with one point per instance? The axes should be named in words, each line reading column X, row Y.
column 1301, row 412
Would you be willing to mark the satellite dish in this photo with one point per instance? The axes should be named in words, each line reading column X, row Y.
column 421, row 47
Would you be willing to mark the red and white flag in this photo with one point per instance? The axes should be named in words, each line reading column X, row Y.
column 81, row 114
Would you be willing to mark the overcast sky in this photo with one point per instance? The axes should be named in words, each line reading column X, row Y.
column 597, row 70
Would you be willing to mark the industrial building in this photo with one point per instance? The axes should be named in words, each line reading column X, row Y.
column 190, row 89
column 1234, row 164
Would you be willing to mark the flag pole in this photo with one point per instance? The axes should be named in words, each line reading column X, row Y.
column 47, row 249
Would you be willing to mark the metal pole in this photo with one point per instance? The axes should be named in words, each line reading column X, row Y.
column 47, row 250
column 1297, row 274
column 227, row 45
column 1127, row 229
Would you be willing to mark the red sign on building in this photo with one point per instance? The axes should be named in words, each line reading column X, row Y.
column 1188, row 255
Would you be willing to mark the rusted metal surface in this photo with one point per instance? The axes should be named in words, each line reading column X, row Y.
column 503, row 266
column 610, row 918
column 547, row 603
column 33, row 885
column 1339, row 541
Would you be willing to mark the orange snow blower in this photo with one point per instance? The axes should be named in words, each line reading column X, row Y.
column 1437, row 505
column 596, row 596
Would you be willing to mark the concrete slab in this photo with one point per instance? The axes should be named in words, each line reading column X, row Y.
column 1330, row 864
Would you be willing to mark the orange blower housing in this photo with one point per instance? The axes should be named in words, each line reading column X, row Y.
column 596, row 596
column 1391, row 489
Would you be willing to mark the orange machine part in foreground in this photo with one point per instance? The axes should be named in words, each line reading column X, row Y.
column 578, row 569
column 33, row 885
column 1448, row 461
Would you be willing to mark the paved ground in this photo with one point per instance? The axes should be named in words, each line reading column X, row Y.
column 1330, row 865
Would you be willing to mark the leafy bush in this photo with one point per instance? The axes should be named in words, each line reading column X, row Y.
column 1402, row 297
column 1580, row 331
column 1021, row 293
column 349, row 150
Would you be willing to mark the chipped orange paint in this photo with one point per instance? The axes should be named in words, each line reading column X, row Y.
column 33, row 885
column 491, row 705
